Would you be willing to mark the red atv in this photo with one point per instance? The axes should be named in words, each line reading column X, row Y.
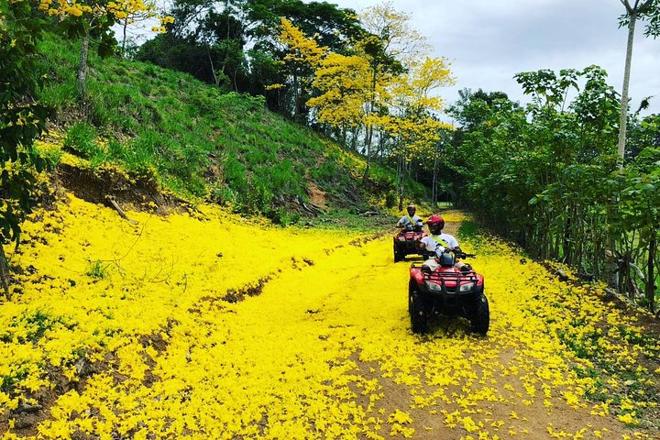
column 406, row 242
column 449, row 291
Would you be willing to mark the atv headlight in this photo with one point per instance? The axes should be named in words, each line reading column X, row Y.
column 467, row 287
column 433, row 287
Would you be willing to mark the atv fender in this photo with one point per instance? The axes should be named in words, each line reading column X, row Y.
column 417, row 276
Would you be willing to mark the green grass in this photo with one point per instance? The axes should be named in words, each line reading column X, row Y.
column 97, row 270
column 200, row 142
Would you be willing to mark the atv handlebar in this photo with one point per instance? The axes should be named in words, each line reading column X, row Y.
column 461, row 254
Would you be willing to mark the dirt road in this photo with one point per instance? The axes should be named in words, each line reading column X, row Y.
column 321, row 348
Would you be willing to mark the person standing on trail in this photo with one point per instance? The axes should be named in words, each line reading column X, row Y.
column 411, row 222
column 438, row 242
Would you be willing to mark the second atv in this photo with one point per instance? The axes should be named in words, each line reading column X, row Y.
column 406, row 242
column 447, row 290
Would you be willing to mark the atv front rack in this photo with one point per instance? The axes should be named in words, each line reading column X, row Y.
column 470, row 276
column 442, row 277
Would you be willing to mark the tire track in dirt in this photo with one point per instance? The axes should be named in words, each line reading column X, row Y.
column 324, row 350
column 28, row 417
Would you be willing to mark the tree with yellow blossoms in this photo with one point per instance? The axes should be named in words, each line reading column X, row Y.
column 391, row 45
column 343, row 83
column 384, row 86
column 413, row 120
column 303, row 56
column 94, row 18
column 344, row 87
column 138, row 11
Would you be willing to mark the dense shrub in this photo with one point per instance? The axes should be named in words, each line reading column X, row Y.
column 547, row 175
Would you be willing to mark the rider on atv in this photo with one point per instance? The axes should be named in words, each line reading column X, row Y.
column 411, row 222
column 438, row 242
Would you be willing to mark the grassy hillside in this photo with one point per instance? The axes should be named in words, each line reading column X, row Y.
column 201, row 143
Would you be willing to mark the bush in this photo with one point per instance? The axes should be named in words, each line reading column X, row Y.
column 547, row 175
column 390, row 199
column 97, row 270
column 81, row 140
column 285, row 217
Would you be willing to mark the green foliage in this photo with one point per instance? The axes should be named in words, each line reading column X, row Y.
column 197, row 140
column 97, row 270
column 647, row 11
column 233, row 44
column 21, row 121
column 390, row 199
column 81, row 139
column 546, row 175
column 285, row 217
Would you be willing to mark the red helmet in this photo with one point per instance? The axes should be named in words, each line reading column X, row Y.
column 436, row 221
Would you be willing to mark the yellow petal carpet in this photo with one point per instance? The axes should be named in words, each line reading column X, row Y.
column 209, row 326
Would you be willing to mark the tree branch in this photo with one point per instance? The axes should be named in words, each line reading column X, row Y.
column 625, row 3
column 117, row 208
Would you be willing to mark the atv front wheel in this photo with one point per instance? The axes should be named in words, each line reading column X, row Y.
column 481, row 317
column 417, row 310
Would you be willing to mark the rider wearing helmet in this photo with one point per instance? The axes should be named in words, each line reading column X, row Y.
column 437, row 242
column 411, row 222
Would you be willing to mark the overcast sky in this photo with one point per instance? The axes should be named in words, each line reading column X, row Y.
column 488, row 41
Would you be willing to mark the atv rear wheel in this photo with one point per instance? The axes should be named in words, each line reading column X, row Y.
column 481, row 318
column 417, row 310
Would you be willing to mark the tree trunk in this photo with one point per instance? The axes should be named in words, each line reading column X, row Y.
column 650, row 276
column 623, row 120
column 369, row 129
column 381, row 146
column 81, row 78
column 402, row 171
column 295, row 97
column 566, row 243
column 216, row 81
column 367, row 149
column 434, row 191
column 354, row 136
column 4, row 272
column 123, row 38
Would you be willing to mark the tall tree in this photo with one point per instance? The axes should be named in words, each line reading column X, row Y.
column 302, row 57
column 642, row 10
column 129, row 15
column 21, row 120
column 391, row 45
column 412, row 120
column 94, row 18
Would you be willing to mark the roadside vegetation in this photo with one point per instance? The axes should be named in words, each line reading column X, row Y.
column 200, row 142
column 547, row 176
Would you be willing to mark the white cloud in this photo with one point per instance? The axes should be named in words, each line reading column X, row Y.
column 490, row 41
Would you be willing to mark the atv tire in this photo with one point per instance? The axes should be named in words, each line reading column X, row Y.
column 481, row 316
column 417, row 310
column 398, row 256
